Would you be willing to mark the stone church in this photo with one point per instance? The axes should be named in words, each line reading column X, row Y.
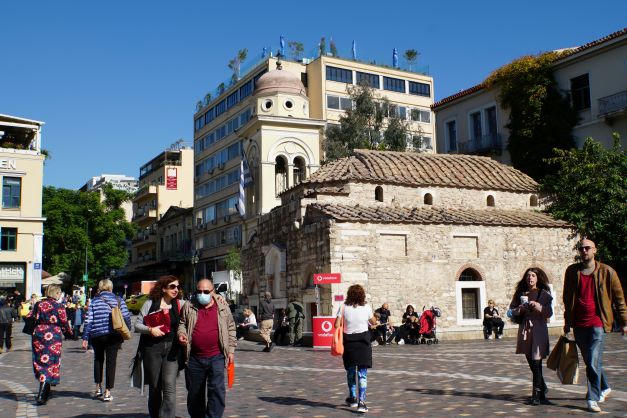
column 423, row 229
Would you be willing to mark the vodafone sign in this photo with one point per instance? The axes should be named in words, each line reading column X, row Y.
column 327, row 278
column 323, row 331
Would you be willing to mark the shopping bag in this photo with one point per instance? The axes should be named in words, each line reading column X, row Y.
column 552, row 362
column 337, row 344
column 230, row 374
column 564, row 359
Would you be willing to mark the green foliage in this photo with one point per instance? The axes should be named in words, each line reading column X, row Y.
column 589, row 190
column 296, row 49
column 233, row 260
column 332, row 48
column 236, row 63
column 364, row 126
column 76, row 220
column 323, row 46
column 541, row 118
column 411, row 55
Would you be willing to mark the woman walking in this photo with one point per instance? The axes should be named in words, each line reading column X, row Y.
column 356, row 316
column 106, row 342
column 50, row 324
column 162, row 356
column 532, row 304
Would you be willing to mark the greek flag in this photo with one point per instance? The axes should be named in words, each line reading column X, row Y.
column 245, row 180
column 282, row 44
column 354, row 50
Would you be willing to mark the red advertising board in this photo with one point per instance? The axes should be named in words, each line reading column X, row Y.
column 327, row 278
column 171, row 179
column 323, row 331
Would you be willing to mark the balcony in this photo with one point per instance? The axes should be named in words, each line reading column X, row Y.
column 144, row 191
column 144, row 214
column 490, row 143
column 609, row 105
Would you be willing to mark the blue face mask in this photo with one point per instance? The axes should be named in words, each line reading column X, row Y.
column 203, row 299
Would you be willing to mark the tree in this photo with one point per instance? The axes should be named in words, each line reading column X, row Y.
column 79, row 220
column 589, row 190
column 363, row 126
column 541, row 118
column 323, row 46
column 236, row 63
column 411, row 55
column 333, row 48
column 296, row 49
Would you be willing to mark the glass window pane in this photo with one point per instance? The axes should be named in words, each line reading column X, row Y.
column 333, row 102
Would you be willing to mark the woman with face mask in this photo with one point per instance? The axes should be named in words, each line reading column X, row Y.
column 162, row 355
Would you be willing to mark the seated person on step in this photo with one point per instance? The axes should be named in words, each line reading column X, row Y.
column 492, row 321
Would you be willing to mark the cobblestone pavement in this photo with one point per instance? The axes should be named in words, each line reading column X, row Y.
column 451, row 379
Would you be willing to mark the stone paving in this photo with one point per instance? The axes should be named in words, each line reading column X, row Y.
column 451, row 379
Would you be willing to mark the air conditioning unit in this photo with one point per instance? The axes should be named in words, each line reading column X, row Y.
column 214, row 221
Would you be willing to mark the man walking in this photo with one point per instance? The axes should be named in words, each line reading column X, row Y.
column 295, row 317
column 207, row 328
column 590, row 289
column 266, row 314
column 7, row 315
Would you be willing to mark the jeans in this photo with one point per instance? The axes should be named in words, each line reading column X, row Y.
column 591, row 341
column 205, row 373
column 161, row 368
column 106, row 345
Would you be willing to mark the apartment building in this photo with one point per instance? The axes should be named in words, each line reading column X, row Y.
column 594, row 75
column 118, row 182
column 21, row 221
column 165, row 181
column 275, row 116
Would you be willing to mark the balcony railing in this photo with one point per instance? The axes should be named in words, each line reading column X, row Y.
column 613, row 104
column 485, row 143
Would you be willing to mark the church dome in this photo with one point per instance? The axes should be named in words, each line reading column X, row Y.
column 279, row 81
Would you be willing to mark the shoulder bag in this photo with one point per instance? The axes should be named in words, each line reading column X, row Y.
column 30, row 321
column 118, row 323
column 337, row 344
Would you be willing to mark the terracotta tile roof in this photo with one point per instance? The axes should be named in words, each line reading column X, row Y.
column 566, row 53
column 421, row 169
column 433, row 215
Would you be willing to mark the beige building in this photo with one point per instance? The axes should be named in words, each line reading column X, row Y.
column 594, row 75
column 117, row 182
column 450, row 231
column 276, row 118
column 165, row 181
column 21, row 221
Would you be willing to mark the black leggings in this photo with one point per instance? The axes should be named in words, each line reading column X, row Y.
column 106, row 345
column 536, row 371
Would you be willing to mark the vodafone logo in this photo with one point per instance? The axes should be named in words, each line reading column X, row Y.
column 327, row 326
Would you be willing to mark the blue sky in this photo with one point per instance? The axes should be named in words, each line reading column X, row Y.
column 116, row 82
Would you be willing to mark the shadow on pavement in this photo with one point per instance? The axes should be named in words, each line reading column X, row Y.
column 71, row 394
column 288, row 400
column 125, row 415
column 7, row 395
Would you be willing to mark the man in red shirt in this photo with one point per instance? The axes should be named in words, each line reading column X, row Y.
column 207, row 329
column 590, row 289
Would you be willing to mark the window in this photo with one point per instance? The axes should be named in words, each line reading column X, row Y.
column 490, row 118
column 246, row 90
column 371, row 79
column 428, row 199
column 419, row 89
column 490, row 201
column 339, row 74
column 402, row 112
column 451, row 135
column 346, row 103
column 533, row 200
column 299, row 170
column 421, row 142
column 378, row 194
column 333, row 102
column 580, row 92
column 209, row 116
column 419, row 115
column 11, row 192
column 280, row 174
column 470, row 303
column 220, row 108
column 394, row 84
column 475, row 125
column 232, row 99
column 8, row 239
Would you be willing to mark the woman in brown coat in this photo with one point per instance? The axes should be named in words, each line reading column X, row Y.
column 532, row 304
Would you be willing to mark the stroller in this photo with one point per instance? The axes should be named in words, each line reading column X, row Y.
column 428, row 325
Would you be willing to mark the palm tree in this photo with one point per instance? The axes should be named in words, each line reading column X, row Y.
column 411, row 55
column 235, row 63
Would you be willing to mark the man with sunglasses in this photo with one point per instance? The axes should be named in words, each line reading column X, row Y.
column 590, row 289
column 207, row 329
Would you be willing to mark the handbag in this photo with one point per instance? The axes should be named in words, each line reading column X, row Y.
column 564, row 359
column 30, row 322
column 118, row 323
column 337, row 344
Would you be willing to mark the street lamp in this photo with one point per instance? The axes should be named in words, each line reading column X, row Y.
column 194, row 261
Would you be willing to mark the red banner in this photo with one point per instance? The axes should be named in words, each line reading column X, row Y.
column 327, row 278
column 171, row 179
column 323, row 331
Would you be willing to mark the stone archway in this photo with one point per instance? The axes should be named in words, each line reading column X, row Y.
column 275, row 271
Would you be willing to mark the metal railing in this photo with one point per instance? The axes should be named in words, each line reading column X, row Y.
column 489, row 142
column 614, row 103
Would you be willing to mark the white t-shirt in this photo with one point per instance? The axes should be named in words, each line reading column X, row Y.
column 355, row 318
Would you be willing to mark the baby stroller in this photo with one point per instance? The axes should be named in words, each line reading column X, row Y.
column 428, row 325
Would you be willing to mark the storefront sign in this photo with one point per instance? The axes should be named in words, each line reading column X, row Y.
column 323, row 331
column 8, row 164
column 11, row 274
column 327, row 278
column 171, row 179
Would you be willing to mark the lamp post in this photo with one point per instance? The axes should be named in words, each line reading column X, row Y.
column 194, row 261
column 86, row 245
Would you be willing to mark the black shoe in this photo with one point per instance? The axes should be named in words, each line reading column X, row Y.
column 535, row 397
column 351, row 402
column 270, row 347
column 362, row 407
column 40, row 394
column 265, row 350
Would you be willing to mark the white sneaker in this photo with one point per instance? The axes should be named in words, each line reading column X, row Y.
column 593, row 406
column 604, row 394
column 374, row 343
column 401, row 342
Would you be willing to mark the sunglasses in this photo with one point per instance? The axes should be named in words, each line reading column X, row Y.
column 206, row 292
column 585, row 248
column 173, row 286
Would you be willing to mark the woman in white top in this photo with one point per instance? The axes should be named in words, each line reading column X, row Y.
column 250, row 322
column 357, row 350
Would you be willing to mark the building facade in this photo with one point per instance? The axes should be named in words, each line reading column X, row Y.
column 118, row 182
column 165, row 181
column 428, row 230
column 594, row 76
column 21, row 221
column 276, row 119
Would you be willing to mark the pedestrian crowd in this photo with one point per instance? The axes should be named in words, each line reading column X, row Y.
column 200, row 335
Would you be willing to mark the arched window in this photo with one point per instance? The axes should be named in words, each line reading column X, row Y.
column 490, row 201
column 299, row 170
column 428, row 200
column 378, row 194
column 280, row 175
column 533, row 200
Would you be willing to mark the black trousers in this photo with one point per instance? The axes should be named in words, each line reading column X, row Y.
column 106, row 346
column 492, row 323
column 5, row 335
